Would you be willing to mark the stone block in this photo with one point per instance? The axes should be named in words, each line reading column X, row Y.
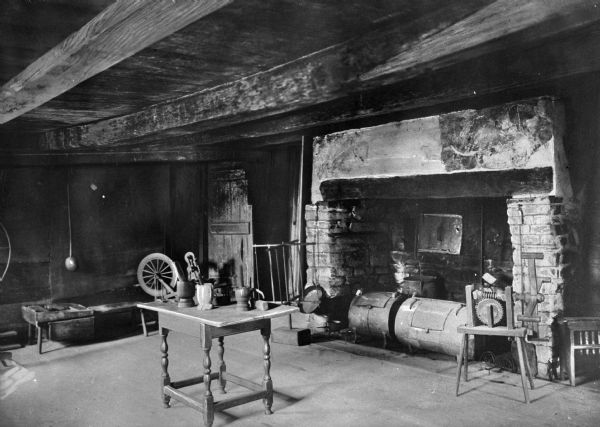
column 541, row 220
column 517, row 283
column 548, row 272
column 323, row 247
column 319, row 273
column 548, row 288
column 547, row 305
column 319, row 236
column 541, row 229
column 310, row 215
column 514, row 220
column 531, row 239
column 551, row 241
column 333, row 216
column 537, row 209
column 543, row 353
column 327, row 259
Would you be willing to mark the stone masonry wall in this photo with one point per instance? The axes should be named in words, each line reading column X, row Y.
column 541, row 224
column 345, row 253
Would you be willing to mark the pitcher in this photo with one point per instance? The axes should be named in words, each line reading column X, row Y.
column 204, row 295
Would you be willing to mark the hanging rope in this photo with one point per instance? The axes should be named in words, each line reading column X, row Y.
column 9, row 252
column 69, row 219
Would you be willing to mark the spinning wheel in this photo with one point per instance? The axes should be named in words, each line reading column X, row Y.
column 157, row 275
column 5, row 251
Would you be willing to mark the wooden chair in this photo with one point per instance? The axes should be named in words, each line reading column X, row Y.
column 474, row 327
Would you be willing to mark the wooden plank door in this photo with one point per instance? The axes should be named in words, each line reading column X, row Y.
column 230, row 227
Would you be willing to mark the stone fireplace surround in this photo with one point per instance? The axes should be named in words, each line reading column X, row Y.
column 511, row 154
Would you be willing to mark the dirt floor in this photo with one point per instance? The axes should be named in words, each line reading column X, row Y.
column 328, row 383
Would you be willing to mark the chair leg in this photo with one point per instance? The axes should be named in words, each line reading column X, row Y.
column 466, row 355
column 572, row 359
column 459, row 361
column 520, row 345
column 39, row 338
column 143, row 322
column 527, row 367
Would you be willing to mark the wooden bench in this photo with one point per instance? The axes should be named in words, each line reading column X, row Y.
column 83, row 316
column 122, row 307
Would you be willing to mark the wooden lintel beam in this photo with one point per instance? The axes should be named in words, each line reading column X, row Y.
column 121, row 30
column 498, row 183
column 125, row 157
column 494, row 27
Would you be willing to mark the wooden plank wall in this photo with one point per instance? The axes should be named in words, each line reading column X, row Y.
column 119, row 214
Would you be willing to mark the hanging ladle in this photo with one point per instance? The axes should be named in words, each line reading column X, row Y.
column 70, row 261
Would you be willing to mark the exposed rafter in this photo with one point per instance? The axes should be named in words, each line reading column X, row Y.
column 121, row 30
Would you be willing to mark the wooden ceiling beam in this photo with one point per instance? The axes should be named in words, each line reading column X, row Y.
column 183, row 154
column 508, row 73
column 494, row 27
column 121, row 30
column 341, row 71
column 319, row 77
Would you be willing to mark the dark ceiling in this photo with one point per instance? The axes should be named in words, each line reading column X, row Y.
column 238, row 40
column 262, row 71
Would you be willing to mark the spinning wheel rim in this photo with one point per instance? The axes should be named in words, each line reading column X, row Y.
column 155, row 273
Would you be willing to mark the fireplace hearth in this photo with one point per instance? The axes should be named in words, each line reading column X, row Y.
column 500, row 170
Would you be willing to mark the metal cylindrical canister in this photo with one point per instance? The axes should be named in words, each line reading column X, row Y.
column 373, row 313
column 431, row 324
column 241, row 296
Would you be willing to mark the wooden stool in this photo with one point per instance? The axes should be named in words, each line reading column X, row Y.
column 506, row 331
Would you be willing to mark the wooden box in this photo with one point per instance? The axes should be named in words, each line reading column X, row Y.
column 72, row 329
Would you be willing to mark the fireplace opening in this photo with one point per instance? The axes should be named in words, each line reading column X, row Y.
column 377, row 245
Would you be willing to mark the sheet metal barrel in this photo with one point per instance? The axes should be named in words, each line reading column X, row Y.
column 430, row 324
column 372, row 313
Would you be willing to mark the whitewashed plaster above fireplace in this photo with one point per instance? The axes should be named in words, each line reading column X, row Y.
column 523, row 135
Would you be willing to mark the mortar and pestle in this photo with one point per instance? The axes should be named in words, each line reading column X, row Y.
column 185, row 292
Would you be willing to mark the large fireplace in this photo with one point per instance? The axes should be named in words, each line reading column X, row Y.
column 450, row 198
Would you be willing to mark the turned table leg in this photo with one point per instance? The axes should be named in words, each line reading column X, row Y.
column 164, row 363
column 209, row 410
column 267, row 383
column 39, row 338
column 222, row 366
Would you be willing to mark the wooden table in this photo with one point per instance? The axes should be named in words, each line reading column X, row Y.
column 206, row 325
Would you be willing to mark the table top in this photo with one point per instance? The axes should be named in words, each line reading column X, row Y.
column 220, row 316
